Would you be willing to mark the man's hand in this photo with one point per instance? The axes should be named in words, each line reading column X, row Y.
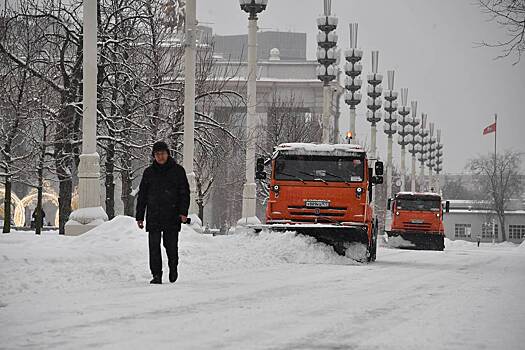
column 140, row 224
column 183, row 219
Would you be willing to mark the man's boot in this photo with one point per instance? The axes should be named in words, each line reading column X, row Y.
column 157, row 279
column 173, row 275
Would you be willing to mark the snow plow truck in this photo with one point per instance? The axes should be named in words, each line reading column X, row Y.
column 415, row 221
column 324, row 191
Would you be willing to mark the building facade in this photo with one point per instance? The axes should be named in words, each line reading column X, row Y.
column 470, row 220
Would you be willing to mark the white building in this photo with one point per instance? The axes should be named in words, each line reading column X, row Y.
column 468, row 220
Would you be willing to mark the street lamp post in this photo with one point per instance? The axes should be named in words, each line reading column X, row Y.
column 327, row 56
column 414, row 131
column 403, row 131
column 439, row 160
column 431, row 157
column 353, row 83
column 189, row 106
column 374, row 102
column 253, row 8
column 90, row 213
column 390, row 128
column 422, row 149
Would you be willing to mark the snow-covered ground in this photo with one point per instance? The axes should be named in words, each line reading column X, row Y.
column 270, row 291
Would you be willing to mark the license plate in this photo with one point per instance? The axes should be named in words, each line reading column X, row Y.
column 317, row 204
column 418, row 221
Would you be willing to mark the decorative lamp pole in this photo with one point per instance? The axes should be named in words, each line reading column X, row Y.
column 431, row 157
column 422, row 149
column 252, row 7
column 439, row 160
column 404, row 132
column 374, row 102
column 90, row 213
column 353, row 83
column 414, row 131
column 390, row 128
column 327, row 56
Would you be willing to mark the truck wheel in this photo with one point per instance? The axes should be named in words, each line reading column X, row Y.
column 339, row 248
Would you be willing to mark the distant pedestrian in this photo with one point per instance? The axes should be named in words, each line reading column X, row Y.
column 163, row 198
column 479, row 240
column 34, row 218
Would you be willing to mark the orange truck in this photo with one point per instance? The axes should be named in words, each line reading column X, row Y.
column 415, row 221
column 324, row 191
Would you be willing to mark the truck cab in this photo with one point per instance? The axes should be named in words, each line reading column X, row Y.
column 324, row 191
column 416, row 221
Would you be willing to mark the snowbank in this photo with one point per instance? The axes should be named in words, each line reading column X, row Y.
column 116, row 253
column 461, row 244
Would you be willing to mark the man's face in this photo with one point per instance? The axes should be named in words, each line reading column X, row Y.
column 161, row 157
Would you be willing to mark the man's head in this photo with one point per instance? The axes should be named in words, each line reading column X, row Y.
column 161, row 152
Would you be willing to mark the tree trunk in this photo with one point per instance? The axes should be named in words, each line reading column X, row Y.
column 38, row 219
column 127, row 186
column 502, row 227
column 110, row 181
column 201, row 210
column 64, row 203
column 7, row 205
column 65, row 187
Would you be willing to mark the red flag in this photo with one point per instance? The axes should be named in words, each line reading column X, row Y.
column 489, row 129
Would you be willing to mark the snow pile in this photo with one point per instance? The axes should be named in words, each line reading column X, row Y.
column 84, row 216
column 116, row 252
column 462, row 244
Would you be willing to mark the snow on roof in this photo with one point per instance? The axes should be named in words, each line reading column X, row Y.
column 322, row 149
column 407, row 193
column 481, row 211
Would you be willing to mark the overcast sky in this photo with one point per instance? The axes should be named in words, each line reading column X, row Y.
column 431, row 46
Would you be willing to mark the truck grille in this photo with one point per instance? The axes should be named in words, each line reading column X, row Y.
column 417, row 226
column 302, row 211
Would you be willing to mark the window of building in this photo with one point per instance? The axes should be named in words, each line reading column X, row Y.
column 486, row 230
column 516, row 231
column 462, row 230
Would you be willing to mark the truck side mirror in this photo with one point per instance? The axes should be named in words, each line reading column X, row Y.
column 379, row 168
column 447, row 206
column 260, row 174
column 389, row 204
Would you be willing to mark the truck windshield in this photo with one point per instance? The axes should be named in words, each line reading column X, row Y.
column 418, row 204
column 324, row 168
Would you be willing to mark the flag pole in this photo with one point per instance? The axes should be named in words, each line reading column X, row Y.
column 495, row 138
column 495, row 164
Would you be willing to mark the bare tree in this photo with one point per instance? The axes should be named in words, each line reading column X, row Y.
column 501, row 178
column 456, row 188
column 288, row 121
column 510, row 14
column 53, row 31
column 16, row 94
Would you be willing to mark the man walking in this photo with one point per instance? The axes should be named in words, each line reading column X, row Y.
column 164, row 196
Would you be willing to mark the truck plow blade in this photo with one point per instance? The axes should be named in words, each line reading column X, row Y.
column 416, row 240
column 350, row 241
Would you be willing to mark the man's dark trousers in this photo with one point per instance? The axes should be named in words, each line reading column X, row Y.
column 170, row 240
